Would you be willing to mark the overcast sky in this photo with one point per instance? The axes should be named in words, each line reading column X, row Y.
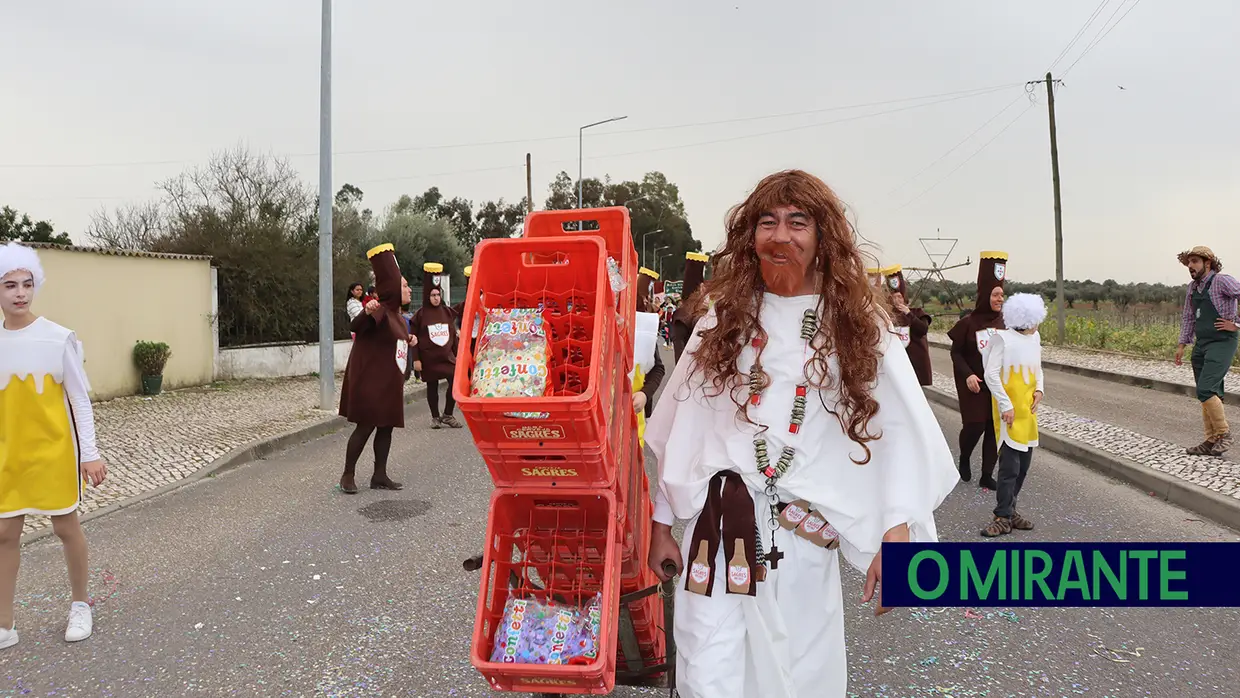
column 103, row 99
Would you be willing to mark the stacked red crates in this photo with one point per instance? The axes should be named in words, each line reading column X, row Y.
column 571, row 514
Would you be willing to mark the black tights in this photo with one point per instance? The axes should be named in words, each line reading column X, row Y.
column 432, row 398
column 969, row 435
column 357, row 444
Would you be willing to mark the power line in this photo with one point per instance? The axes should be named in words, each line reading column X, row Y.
column 713, row 141
column 953, row 149
column 1079, row 33
column 968, row 159
column 975, row 92
column 1098, row 39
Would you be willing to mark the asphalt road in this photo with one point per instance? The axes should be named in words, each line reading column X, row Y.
column 265, row 581
column 1172, row 418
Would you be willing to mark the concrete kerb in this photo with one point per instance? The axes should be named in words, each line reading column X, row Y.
column 1217, row 507
column 1122, row 378
column 248, row 453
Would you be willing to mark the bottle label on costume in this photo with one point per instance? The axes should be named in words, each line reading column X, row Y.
column 793, row 515
column 905, row 337
column 699, row 573
column 738, row 575
column 984, row 338
column 811, row 526
column 440, row 333
column 402, row 354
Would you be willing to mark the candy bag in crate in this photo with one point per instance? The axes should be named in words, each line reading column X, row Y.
column 537, row 632
column 513, row 356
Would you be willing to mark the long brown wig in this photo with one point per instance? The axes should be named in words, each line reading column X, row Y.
column 848, row 310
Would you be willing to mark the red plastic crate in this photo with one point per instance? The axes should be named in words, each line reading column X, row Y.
column 588, row 356
column 549, row 543
column 615, row 229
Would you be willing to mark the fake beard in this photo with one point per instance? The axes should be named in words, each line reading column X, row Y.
column 783, row 279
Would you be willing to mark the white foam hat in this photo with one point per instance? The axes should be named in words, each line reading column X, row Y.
column 15, row 257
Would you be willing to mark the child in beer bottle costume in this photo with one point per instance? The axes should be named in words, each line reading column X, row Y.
column 912, row 324
column 970, row 340
column 434, row 356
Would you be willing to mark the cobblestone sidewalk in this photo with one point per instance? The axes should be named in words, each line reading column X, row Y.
column 1216, row 474
column 151, row 442
column 1153, row 369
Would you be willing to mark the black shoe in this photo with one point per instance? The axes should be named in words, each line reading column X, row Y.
column 966, row 472
column 347, row 485
column 385, row 484
column 987, row 482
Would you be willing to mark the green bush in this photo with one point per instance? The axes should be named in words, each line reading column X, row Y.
column 151, row 357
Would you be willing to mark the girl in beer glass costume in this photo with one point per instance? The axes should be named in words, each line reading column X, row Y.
column 373, row 394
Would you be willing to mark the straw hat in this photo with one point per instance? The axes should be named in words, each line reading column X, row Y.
column 1204, row 253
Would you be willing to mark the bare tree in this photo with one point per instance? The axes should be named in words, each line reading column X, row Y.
column 129, row 227
column 242, row 188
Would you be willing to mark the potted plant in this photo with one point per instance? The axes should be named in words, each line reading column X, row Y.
column 150, row 358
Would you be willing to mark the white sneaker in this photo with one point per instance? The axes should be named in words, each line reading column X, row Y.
column 8, row 637
column 81, row 624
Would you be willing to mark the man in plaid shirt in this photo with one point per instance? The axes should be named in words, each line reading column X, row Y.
column 1209, row 324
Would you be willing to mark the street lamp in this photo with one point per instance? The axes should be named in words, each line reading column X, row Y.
column 644, row 258
column 327, row 368
column 655, row 266
column 581, row 149
column 661, row 258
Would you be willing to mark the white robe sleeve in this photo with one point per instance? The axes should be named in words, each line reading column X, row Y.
column 676, row 427
column 916, row 470
column 77, row 390
column 994, row 373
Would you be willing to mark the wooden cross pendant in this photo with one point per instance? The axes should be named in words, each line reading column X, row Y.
column 774, row 556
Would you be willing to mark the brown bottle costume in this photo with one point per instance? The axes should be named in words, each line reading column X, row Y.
column 691, row 309
column 969, row 338
column 913, row 326
column 435, row 329
column 373, row 395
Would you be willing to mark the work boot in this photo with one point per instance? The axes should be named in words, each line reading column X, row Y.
column 1204, row 448
column 1001, row 526
column 1221, row 445
column 966, row 471
column 347, row 485
column 1020, row 523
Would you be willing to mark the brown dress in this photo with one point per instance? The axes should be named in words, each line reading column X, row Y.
column 966, row 354
column 917, row 320
column 686, row 317
column 373, row 392
column 435, row 328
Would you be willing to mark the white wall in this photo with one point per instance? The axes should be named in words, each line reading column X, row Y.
column 276, row 360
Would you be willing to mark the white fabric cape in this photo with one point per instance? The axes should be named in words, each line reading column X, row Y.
column 694, row 434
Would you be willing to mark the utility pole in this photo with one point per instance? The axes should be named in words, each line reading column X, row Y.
column 1059, row 292
column 327, row 345
column 529, row 186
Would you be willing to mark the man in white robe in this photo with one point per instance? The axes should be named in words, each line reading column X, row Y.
column 775, row 629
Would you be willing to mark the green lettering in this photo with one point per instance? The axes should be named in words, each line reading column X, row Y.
column 944, row 575
column 1166, row 575
column 1073, row 564
column 1118, row 584
column 970, row 574
column 1037, row 577
column 1015, row 576
column 1143, row 575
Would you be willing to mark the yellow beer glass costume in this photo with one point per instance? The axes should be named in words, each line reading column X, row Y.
column 46, row 422
column 1017, row 367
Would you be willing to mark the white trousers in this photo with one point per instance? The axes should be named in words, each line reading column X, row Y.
column 787, row 642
